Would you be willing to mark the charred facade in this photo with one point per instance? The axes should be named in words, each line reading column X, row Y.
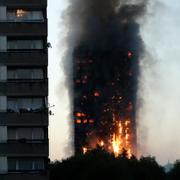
column 105, row 69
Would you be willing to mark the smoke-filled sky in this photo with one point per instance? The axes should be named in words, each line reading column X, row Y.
column 160, row 88
column 159, row 92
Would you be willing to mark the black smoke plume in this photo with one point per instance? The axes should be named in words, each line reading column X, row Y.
column 102, row 65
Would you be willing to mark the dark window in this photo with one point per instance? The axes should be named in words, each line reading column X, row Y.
column 25, row 73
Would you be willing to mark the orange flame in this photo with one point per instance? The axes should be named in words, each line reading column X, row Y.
column 78, row 114
column 130, row 54
column 116, row 144
column 119, row 141
column 91, row 121
column 85, row 121
column 84, row 149
column 78, row 121
column 121, row 138
column 101, row 143
column 96, row 94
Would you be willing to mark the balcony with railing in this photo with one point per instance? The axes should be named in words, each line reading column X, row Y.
column 23, row 149
column 23, row 28
column 24, row 88
column 24, row 3
column 24, row 118
column 24, row 58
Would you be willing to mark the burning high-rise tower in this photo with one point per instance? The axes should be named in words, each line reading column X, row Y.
column 106, row 54
column 104, row 95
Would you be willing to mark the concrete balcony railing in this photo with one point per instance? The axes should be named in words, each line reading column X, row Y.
column 28, row 88
column 24, row 149
column 20, row 3
column 24, row 176
column 23, row 28
column 24, row 119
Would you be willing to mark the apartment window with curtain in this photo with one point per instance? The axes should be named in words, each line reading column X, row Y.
column 25, row 73
column 28, row 133
column 33, row 104
column 28, row 44
column 21, row 15
column 25, row 164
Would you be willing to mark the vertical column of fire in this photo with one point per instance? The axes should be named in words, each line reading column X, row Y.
column 121, row 138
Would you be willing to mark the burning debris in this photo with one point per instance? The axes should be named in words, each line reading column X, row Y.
column 106, row 53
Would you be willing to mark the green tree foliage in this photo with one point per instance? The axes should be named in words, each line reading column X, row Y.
column 98, row 164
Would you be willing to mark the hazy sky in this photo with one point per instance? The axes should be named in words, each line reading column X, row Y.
column 159, row 115
column 58, row 125
column 160, row 88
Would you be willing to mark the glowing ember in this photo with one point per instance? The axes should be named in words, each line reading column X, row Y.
column 78, row 81
column 83, row 115
column 78, row 121
column 130, row 107
column 127, row 123
column 20, row 12
column 91, row 121
column 84, row 150
column 130, row 54
column 96, row 94
column 78, row 114
column 129, row 154
column 85, row 121
column 101, row 143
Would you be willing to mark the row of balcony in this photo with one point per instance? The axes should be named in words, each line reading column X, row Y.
column 29, row 88
column 24, row 3
column 28, row 58
column 24, row 176
column 24, row 118
column 24, row 149
column 23, row 28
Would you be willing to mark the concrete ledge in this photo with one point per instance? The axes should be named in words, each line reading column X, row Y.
column 24, row 176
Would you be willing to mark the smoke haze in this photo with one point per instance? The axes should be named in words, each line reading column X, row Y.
column 103, row 32
column 159, row 115
column 159, row 90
